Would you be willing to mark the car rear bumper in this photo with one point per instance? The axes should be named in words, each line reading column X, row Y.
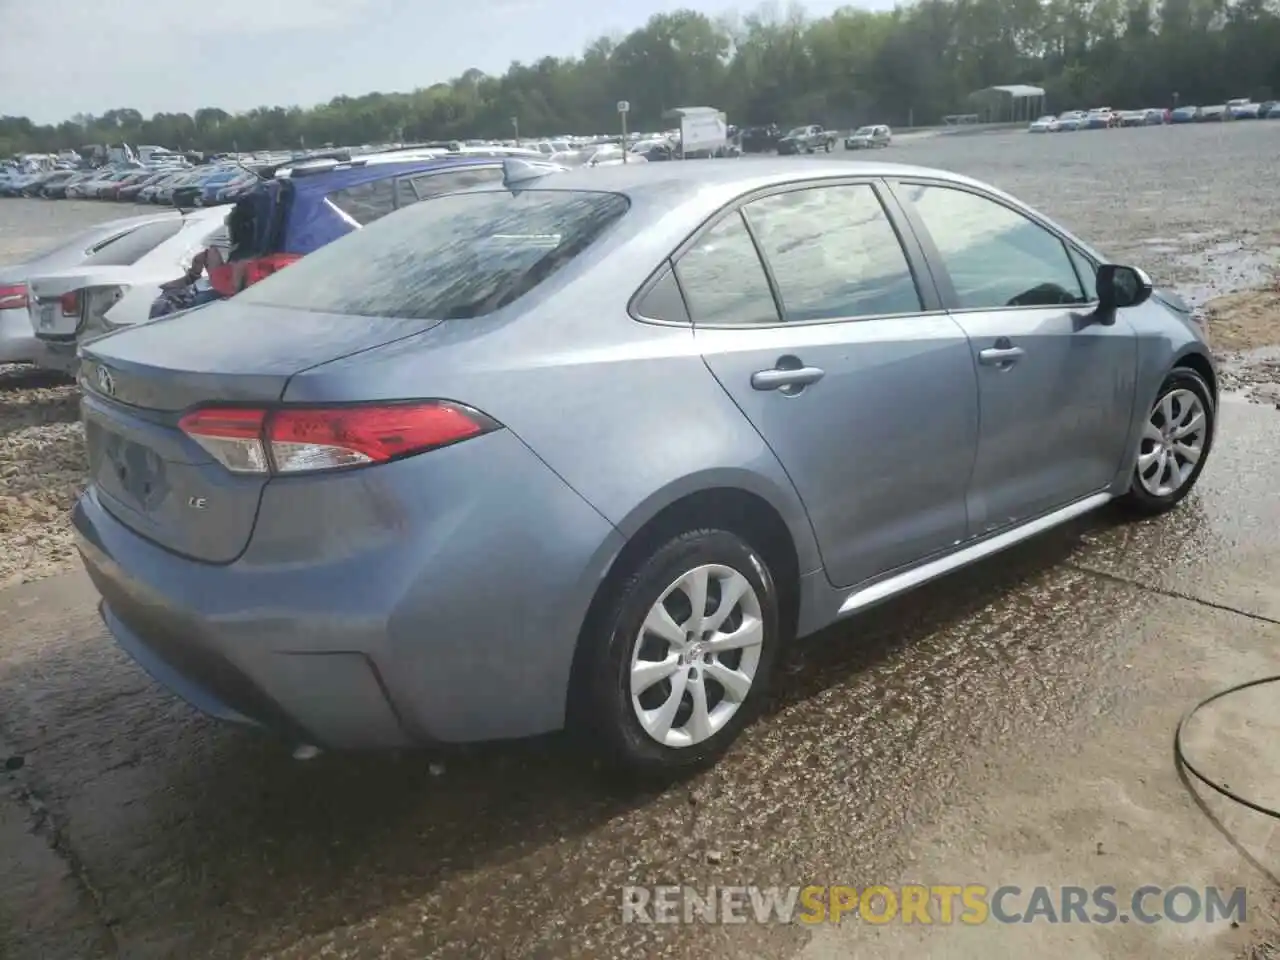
column 18, row 342
column 57, row 355
column 436, row 599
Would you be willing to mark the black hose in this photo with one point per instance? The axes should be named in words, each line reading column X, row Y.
column 1181, row 757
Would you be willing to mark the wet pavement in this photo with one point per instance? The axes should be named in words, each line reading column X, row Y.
column 190, row 839
column 135, row 828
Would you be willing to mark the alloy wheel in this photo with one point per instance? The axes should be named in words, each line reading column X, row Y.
column 695, row 657
column 1173, row 441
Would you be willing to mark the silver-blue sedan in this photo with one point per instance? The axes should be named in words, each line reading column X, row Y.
column 587, row 449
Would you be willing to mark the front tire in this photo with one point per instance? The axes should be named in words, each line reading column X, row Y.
column 680, row 657
column 1174, row 445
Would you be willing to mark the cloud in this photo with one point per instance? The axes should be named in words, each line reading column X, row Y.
column 57, row 53
column 62, row 57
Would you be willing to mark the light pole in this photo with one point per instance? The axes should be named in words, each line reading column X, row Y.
column 624, row 107
column 515, row 125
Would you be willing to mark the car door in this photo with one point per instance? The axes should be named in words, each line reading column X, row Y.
column 807, row 308
column 1056, row 386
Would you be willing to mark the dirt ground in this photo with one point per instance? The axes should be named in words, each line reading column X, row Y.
column 1245, row 321
column 1010, row 724
column 42, row 467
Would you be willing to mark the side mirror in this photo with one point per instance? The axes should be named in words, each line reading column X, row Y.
column 1120, row 287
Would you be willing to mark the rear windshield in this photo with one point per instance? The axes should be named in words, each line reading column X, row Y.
column 457, row 256
column 134, row 245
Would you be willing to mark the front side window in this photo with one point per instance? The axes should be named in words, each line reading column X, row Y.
column 834, row 254
column 722, row 277
column 1088, row 272
column 995, row 256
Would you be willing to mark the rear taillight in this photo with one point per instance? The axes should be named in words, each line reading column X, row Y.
column 70, row 303
column 233, row 436
column 263, row 267
column 291, row 440
column 13, row 296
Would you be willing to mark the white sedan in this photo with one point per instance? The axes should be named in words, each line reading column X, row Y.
column 1045, row 124
column 68, row 306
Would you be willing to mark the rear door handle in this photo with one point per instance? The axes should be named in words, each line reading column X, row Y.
column 1001, row 356
column 781, row 377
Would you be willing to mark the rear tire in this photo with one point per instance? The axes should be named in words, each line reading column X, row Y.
column 1174, row 446
column 664, row 688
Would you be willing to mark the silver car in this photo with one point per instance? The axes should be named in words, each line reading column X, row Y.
column 18, row 340
column 864, row 138
column 589, row 450
column 79, row 302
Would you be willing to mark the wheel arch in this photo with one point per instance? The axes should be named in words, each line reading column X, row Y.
column 734, row 507
column 1191, row 356
column 1192, row 359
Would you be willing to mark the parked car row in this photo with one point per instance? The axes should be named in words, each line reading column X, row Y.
column 1239, row 109
column 1103, row 118
column 173, row 185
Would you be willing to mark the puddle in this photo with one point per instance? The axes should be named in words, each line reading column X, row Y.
column 1251, row 374
column 1225, row 268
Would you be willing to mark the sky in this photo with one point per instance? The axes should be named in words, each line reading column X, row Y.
column 62, row 57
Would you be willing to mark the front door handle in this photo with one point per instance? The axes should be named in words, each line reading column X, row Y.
column 1001, row 356
column 783, row 378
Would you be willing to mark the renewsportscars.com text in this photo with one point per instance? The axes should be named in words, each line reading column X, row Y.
column 944, row 904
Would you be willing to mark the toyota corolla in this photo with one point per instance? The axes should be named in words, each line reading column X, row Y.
column 587, row 449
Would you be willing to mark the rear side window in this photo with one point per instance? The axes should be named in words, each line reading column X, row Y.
column 135, row 245
column 427, row 185
column 366, row 202
column 722, row 277
column 459, row 256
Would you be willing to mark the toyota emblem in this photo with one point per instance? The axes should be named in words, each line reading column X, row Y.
column 106, row 382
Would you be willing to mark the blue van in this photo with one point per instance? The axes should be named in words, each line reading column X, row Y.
column 284, row 218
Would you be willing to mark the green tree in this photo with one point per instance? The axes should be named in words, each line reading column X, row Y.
column 915, row 64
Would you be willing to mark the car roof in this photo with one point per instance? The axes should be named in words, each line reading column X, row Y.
column 355, row 173
column 672, row 185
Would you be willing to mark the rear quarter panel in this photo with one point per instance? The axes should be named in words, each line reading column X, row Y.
column 626, row 413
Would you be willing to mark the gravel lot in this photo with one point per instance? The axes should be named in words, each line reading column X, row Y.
column 1190, row 204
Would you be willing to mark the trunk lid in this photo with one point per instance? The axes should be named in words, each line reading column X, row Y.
column 57, row 302
column 136, row 383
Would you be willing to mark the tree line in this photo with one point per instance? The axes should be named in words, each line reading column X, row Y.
column 913, row 65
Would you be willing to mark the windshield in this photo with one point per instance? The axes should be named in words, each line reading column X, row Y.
column 864, row 131
column 455, row 257
column 797, row 132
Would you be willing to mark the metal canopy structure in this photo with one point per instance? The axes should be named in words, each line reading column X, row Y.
column 1011, row 103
